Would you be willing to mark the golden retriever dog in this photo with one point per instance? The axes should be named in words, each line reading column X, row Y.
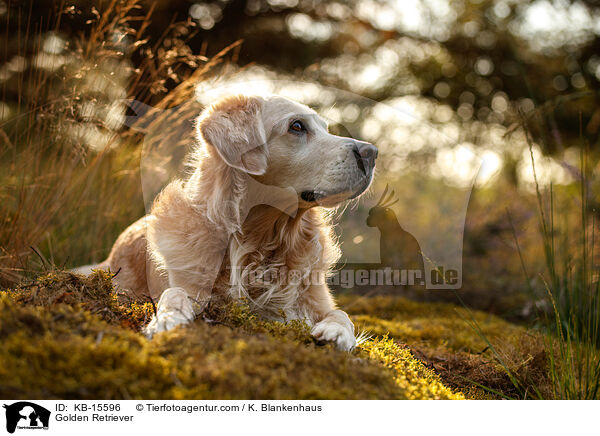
column 249, row 221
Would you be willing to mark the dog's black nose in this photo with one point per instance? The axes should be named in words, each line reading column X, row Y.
column 367, row 151
column 365, row 155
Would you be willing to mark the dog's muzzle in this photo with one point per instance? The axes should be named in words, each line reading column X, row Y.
column 364, row 155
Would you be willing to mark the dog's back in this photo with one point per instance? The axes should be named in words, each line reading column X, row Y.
column 129, row 260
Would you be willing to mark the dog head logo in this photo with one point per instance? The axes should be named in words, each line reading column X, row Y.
column 26, row 415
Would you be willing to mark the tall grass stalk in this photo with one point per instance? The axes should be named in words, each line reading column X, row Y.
column 573, row 335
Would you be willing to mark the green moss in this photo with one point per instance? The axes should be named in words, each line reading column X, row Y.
column 432, row 324
column 220, row 363
column 70, row 353
column 94, row 293
column 88, row 346
column 415, row 380
column 67, row 336
column 238, row 314
column 438, row 335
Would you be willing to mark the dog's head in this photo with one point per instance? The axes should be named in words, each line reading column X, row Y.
column 283, row 143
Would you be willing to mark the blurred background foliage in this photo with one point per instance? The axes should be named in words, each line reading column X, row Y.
column 493, row 77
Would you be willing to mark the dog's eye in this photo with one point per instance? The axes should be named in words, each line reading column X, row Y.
column 297, row 127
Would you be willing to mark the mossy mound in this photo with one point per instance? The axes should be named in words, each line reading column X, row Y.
column 431, row 324
column 94, row 294
column 449, row 340
column 67, row 336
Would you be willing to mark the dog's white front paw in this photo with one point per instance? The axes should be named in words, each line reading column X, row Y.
column 164, row 321
column 174, row 308
column 336, row 327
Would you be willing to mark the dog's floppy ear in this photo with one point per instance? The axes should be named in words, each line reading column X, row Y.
column 234, row 127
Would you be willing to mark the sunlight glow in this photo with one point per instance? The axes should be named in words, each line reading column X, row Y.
column 547, row 170
column 490, row 167
column 551, row 24
column 457, row 166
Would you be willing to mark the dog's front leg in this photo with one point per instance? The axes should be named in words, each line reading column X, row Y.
column 332, row 325
column 174, row 308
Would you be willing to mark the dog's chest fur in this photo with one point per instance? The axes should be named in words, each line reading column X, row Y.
column 273, row 268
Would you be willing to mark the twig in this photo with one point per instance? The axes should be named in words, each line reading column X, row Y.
column 40, row 256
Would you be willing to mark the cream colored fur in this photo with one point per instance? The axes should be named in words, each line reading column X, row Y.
column 240, row 213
